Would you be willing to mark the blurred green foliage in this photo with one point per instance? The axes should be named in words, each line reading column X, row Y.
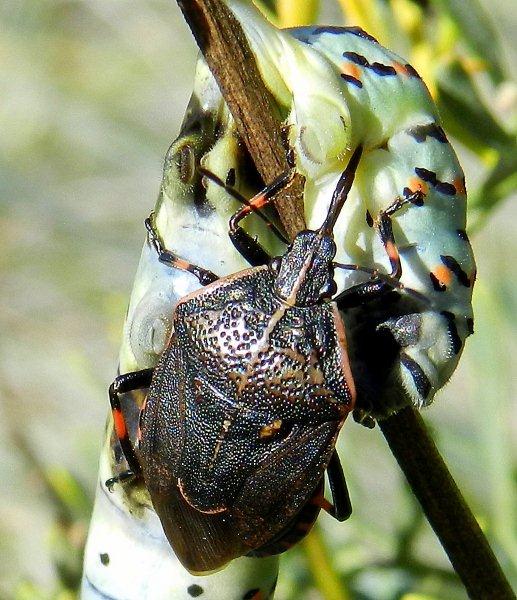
column 93, row 93
column 71, row 506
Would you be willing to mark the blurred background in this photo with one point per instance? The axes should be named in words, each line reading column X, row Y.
column 93, row 92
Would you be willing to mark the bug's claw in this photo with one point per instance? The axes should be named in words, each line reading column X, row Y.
column 122, row 478
column 109, row 483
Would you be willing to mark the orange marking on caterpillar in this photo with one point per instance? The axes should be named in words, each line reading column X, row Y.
column 120, row 424
column 459, row 185
column 400, row 68
column 443, row 274
column 352, row 70
column 415, row 184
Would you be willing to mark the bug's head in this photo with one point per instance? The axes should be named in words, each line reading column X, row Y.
column 304, row 275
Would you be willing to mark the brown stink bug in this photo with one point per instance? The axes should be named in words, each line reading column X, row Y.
column 250, row 393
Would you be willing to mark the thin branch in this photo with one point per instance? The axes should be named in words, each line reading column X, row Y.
column 444, row 506
column 226, row 50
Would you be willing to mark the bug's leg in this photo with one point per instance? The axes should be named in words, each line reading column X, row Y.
column 243, row 200
column 249, row 247
column 172, row 260
column 385, row 229
column 342, row 507
column 362, row 292
column 122, row 384
column 381, row 284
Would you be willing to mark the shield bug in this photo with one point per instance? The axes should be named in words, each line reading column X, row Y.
column 247, row 400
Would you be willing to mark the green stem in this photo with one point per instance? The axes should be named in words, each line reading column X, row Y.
column 320, row 564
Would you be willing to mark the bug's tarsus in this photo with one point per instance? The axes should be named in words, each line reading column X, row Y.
column 249, row 248
column 170, row 259
column 364, row 418
column 342, row 507
column 124, row 477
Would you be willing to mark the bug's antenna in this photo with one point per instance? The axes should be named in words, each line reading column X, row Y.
column 243, row 200
column 341, row 192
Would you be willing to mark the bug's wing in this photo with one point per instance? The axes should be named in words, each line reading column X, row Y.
column 274, row 493
column 202, row 542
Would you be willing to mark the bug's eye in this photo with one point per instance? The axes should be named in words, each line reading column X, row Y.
column 328, row 289
column 274, row 265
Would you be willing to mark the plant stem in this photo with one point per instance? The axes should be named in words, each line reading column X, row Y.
column 444, row 506
column 320, row 564
column 226, row 50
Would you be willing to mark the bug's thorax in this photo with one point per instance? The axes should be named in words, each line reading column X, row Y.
column 304, row 275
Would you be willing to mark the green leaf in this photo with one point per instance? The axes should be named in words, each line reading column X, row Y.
column 28, row 591
column 477, row 31
column 69, row 493
column 500, row 183
column 466, row 116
